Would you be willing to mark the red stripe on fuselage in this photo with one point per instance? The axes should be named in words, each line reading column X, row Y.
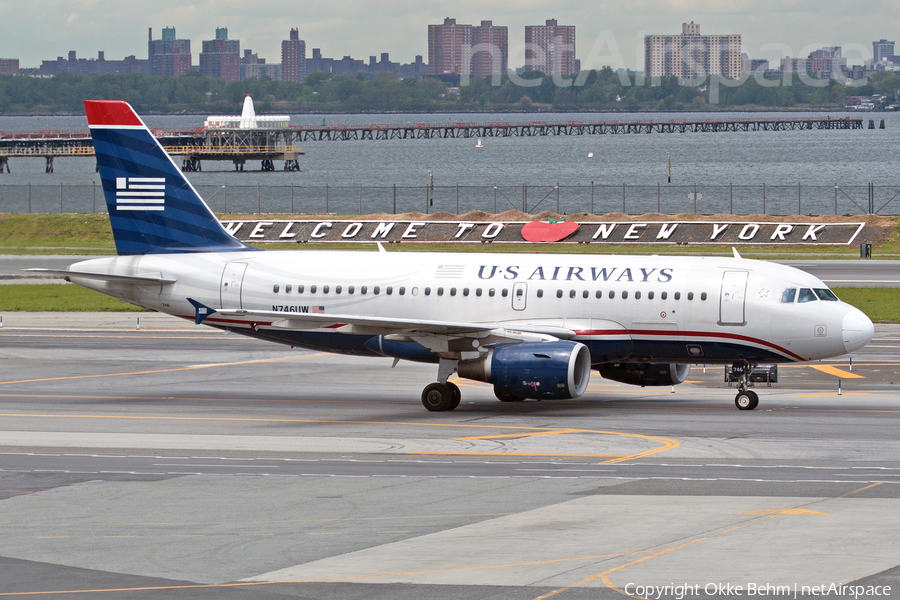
column 676, row 333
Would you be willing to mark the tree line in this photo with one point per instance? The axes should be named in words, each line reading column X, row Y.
column 600, row 90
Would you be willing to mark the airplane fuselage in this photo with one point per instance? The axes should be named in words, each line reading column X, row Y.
column 635, row 308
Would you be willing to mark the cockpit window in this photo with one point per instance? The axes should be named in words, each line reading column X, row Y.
column 807, row 295
column 826, row 294
column 789, row 296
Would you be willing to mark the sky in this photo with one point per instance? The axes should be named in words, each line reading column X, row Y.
column 607, row 32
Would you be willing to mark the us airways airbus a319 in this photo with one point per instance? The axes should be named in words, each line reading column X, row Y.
column 533, row 325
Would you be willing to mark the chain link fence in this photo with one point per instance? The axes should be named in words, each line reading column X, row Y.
column 563, row 199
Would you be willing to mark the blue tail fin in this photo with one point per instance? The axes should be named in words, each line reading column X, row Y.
column 153, row 209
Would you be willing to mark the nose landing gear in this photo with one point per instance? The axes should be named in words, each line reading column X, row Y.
column 746, row 400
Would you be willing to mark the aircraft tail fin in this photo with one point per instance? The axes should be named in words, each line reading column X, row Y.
column 152, row 208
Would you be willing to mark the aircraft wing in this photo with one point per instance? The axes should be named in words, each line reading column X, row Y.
column 139, row 278
column 371, row 325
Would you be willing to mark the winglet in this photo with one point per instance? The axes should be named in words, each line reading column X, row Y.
column 201, row 311
column 736, row 255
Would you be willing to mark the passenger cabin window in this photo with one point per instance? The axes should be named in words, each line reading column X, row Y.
column 504, row 292
column 690, row 295
column 312, row 289
column 826, row 294
column 703, row 296
column 428, row 291
column 789, row 296
column 491, row 292
column 324, row 289
column 402, row 290
column 337, row 289
column 678, row 295
column 599, row 294
column 300, row 289
column 637, row 295
column 376, row 290
column 571, row 293
column 465, row 291
column 275, row 288
column 540, row 293
column 389, row 290
column 478, row 292
column 350, row 289
column 624, row 295
column 649, row 295
column 287, row 289
column 806, row 295
column 664, row 295
column 612, row 294
column 363, row 290
column 452, row 291
column 559, row 293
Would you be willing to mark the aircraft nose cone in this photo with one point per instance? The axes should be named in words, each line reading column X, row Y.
column 857, row 330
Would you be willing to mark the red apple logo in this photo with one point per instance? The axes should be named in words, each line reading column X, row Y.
column 548, row 231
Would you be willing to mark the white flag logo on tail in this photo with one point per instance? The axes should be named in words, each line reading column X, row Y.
column 140, row 193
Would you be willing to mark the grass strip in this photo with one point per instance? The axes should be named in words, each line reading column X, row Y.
column 58, row 297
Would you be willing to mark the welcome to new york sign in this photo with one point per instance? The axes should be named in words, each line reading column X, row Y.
column 467, row 232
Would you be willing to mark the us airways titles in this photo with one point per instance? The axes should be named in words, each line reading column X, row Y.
column 561, row 273
column 657, row 232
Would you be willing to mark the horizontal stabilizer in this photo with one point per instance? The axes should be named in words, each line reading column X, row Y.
column 201, row 311
column 139, row 278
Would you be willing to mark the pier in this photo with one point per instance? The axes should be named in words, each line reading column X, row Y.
column 283, row 143
column 547, row 128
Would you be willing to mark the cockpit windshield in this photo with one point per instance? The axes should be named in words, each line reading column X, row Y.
column 807, row 295
column 789, row 296
column 826, row 294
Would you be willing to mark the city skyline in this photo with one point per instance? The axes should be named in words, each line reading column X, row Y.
column 339, row 28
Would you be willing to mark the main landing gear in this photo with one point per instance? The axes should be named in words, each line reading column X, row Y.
column 442, row 395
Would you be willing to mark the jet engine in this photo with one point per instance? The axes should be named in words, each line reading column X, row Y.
column 537, row 370
column 644, row 374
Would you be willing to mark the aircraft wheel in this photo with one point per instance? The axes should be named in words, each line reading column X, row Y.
column 746, row 400
column 503, row 397
column 455, row 395
column 437, row 397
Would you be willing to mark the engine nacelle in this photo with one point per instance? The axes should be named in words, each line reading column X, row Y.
column 644, row 374
column 538, row 370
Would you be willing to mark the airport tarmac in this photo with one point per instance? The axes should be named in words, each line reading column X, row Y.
column 176, row 461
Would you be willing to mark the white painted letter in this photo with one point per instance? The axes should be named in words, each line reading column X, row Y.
column 259, row 230
column 664, row 233
column 463, row 228
column 781, row 230
column 492, row 231
column 319, row 227
column 749, row 231
column 717, row 229
column 411, row 233
column 633, row 232
column 604, row 230
column 351, row 230
column 812, row 231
